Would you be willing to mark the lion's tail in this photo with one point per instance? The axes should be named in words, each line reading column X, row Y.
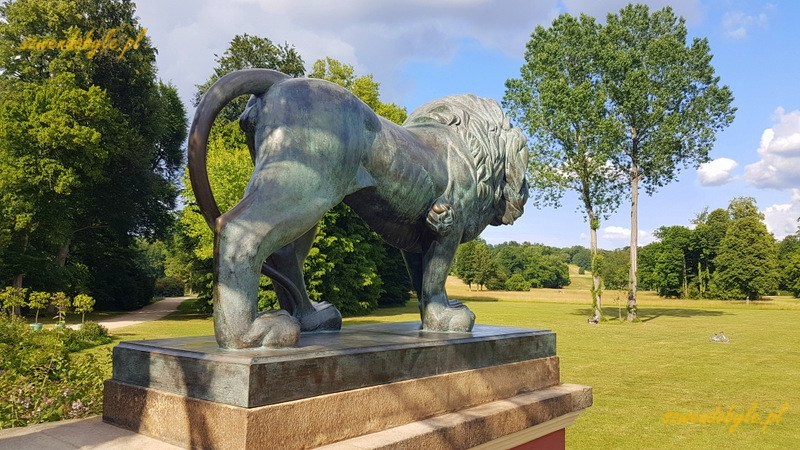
column 230, row 86
column 227, row 88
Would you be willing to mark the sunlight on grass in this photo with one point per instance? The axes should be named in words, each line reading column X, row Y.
column 639, row 372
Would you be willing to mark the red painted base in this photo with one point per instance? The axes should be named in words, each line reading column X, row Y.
column 553, row 441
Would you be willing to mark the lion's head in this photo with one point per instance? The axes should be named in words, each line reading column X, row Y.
column 498, row 149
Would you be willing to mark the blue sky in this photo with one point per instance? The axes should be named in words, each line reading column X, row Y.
column 420, row 50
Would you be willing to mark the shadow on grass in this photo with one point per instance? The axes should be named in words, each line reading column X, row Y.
column 650, row 313
column 461, row 298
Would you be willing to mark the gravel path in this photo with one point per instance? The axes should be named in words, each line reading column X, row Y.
column 153, row 311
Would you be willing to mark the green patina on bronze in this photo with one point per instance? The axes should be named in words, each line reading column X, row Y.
column 453, row 168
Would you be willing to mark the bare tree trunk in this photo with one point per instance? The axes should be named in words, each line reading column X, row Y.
column 633, row 281
column 596, row 289
column 19, row 278
column 17, row 283
column 685, row 280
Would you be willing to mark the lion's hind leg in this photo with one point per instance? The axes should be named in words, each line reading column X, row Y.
column 288, row 260
column 279, row 208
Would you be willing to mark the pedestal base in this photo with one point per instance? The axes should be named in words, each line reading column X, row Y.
column 468, row 390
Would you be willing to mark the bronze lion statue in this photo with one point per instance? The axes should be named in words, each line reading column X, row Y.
column 454, row 167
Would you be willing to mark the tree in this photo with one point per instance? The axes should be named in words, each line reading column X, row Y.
column 746, row 264
column 98, row 129
column 13, row 298
column 464, row 266
column 62, row 303
column 789, row 263
column 791, row 273
column 517, row 282
column 38, row 300
column 248, row 52
column 83, row 303
column 666, row 102
column 51, row 149
column 672, row 264
column 392, row 283
column 560, row 102
column 364, row 87
column 614, row 267
column 474, row 263
column 709, row 230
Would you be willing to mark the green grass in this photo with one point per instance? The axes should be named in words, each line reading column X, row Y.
column 638, row 371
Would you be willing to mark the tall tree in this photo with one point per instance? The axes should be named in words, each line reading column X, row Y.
column 560, row 103
column 248, row 52
column 674, row 261
column 134, row 154
column 746, row 263
column 666, row 101
column 709, row 230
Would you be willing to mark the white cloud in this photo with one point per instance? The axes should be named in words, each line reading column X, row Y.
column 781, row 219
column 689, row 9
column 622, row 235
column 374, row 37
column 779, row 167
column 716, row 172
column 737, row 24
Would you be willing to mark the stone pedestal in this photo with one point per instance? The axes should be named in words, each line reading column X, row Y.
column 373, row 386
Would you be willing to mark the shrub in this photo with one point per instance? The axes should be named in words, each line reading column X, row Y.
column 168, row 287
column 90, row 334
column 517, row 283
column 41, row 380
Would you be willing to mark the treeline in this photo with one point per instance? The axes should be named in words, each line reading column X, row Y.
column 511, row 266
column 726, row 254
column 729, row 254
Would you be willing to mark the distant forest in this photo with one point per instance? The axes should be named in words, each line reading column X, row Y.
column 724, row 254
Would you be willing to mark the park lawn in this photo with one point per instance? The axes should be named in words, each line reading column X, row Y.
column 640, row 372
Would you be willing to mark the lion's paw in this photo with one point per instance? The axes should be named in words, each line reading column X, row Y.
column 440, row 218
column 325, row 317
column 456, row 318
column 272, row 329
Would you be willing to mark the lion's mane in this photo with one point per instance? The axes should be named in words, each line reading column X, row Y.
column 497, row 148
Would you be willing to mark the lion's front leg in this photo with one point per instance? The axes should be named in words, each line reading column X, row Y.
column 438, row 312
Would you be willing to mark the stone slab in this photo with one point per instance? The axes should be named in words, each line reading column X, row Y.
column 481, row 425
column 90, row 433
column 322, row 363
column 323, row 419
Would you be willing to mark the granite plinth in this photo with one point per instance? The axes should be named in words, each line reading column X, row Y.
column 326, row 419
column 322, row 363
